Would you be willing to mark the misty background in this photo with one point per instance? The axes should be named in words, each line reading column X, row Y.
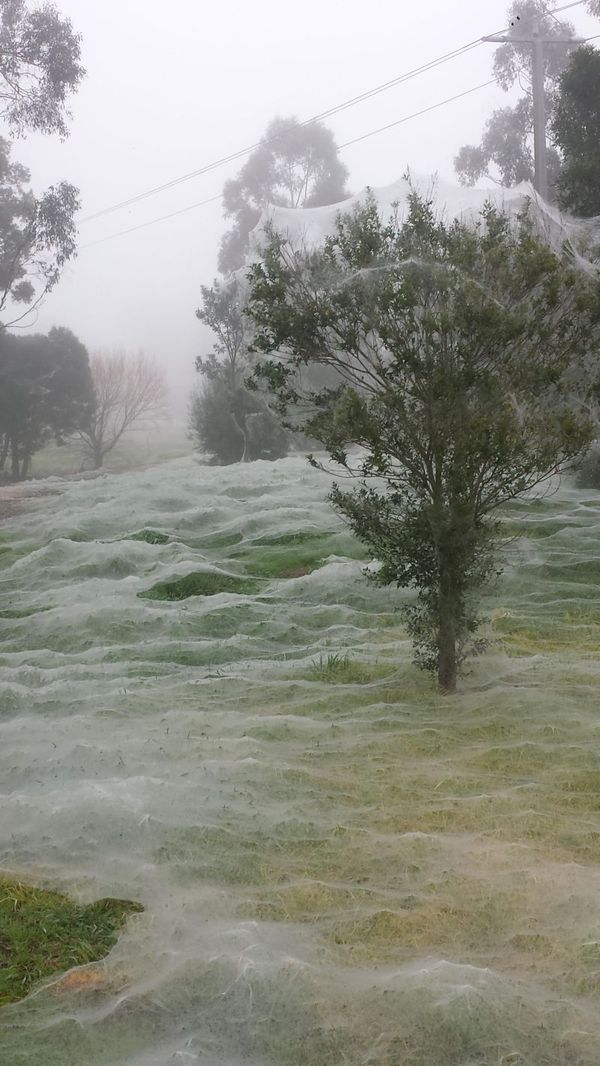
column 171, row 89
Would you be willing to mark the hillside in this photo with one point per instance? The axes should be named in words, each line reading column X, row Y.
column 331, row 857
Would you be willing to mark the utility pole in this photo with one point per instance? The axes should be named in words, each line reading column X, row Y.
column 538, row 43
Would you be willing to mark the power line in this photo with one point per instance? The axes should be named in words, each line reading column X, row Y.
column 552, row 15
column 424, row 111
column 351, row 102
column 153, row 221
column 355, row 140
column 565, row 7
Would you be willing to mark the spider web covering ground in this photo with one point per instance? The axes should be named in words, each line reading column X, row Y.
column 337, row 865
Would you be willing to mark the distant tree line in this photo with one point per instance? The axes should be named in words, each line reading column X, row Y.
column 46, row 393
column 51, row 390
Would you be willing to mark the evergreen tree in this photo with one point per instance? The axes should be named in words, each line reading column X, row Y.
column 456, row 347
column 228, row 421
column 45, row 393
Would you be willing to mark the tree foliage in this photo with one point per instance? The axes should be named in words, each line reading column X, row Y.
column 37, row 236
column 45, row 393
column 454, row 346
column 576, row 131
column 127, row 390
column 227, row 421
column 295, row 165
column 506, row 148
column 40, row 66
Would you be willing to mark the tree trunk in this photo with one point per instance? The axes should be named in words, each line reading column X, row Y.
column 4, row 452
column 98, row 458
column 241, row 430
column 447, row 657
column 14, row 459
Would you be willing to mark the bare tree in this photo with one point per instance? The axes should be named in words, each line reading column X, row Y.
column 128, row 389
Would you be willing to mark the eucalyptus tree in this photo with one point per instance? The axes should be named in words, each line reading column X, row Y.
column 37, row 237
column 40, row 68
column 295, row 164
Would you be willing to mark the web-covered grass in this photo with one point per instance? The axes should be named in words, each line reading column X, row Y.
column 337, row 865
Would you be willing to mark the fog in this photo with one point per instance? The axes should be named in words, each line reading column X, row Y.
column 171, row 89
column 290, row 774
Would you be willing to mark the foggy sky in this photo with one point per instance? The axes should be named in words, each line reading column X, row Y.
column 172, row 87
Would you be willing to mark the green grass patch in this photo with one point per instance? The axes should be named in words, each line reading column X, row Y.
column 280, row 562
column 23, row 612
column 290, row 555
column 44, row 933
column 10, row 555
column 217, row 540
column 301, row 536
column 149, row 536
column 199, row 583
column 339, row 669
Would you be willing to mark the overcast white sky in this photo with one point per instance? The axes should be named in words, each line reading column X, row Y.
column 172, row 87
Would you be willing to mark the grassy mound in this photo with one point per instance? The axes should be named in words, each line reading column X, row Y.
column 22, row 612
column 149, row 536
column 294, row 554
column 43, row 933
column 199, row 583
column 339, row 669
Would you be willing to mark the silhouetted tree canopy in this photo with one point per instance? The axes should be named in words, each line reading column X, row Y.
column 576, row 131
column 45, row 393
column 295, row 165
